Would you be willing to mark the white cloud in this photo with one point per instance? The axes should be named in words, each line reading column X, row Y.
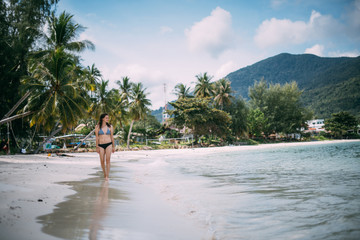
column 225, row 69
column 316, row 49
column 286, row 32
column 354, row 53
column 275, row 32
column 166, row 29
column 152, row 80
column 213, row 34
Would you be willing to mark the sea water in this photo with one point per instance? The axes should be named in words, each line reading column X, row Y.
column 285, row 192
column 282, row 192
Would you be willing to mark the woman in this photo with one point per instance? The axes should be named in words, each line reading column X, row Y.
column 105, row 143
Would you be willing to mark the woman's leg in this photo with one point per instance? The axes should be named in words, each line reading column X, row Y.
column 108, row 155
column 102, row 160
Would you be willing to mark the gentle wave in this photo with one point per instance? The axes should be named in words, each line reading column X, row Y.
column 302, row 192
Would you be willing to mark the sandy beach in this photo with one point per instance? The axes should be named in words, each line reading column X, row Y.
column 40, row 193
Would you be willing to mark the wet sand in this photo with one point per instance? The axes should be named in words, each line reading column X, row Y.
column 56, row 197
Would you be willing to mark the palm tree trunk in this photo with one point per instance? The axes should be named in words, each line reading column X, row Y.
column 9, row 119
column 81, row 142
column 129, row 134
column 17, row 104
column 53, row 132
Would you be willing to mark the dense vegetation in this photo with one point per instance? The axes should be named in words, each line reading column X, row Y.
column 214, row 111
column 43, row 69
column 342, row 124
column 329, row 84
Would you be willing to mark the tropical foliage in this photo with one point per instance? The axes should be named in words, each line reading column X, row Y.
column 203, row 87
column 105, row 101
column 222, row 93
column 280, row 105
column 182, row 91
column 55, row 77
column 138, row 106
column 341, row 124
column 55, row 93
column 20, row 28
column 198, row 115
column 238, row 111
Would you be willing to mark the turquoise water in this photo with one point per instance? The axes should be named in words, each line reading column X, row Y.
column 296, row 192
column 308, row 192
column 292, row 192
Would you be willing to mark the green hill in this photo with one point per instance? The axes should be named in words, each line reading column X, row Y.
column 158, row 114
column 330, row 84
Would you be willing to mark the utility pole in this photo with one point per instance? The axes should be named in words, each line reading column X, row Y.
column 165, row 96
column 165, row 116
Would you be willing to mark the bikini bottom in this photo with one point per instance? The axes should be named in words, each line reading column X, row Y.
column 105, row 145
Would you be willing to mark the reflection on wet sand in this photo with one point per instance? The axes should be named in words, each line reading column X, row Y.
column 82, row 213
column 100, row 206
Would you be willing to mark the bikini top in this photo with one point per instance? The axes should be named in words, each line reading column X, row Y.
column 101, row 132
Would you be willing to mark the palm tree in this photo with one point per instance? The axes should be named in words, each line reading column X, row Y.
column 138, row 106
column 105, row 100
column 203, row 86
column 182, row 91
column 92, row 77
column 222, row 93
column 55, row 93
column 125, row 88
column 63, row 32
column 109, row 102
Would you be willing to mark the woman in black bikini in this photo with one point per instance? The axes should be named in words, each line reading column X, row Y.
column 104, row 143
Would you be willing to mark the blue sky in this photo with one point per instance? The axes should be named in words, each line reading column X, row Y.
column 159, row 42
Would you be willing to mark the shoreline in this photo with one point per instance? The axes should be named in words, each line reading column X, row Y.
column 30, row 184
column 178, row 146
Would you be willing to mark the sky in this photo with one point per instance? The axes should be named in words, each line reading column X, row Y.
column 161, row 43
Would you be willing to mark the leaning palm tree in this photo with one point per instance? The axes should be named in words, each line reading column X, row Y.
column 203, row 86
column 182, row 91
column 55, row 95
column 222, row 93
column 61, row 35
column 138, row 106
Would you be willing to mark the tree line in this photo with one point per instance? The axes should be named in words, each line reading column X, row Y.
column 211, row 110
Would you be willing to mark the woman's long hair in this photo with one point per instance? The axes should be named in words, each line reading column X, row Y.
column 101, row 120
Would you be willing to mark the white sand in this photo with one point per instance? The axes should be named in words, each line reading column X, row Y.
column 28, row 189
column 29, row 183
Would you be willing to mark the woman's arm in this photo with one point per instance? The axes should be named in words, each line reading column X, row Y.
column 112, row 138
column 97, row 139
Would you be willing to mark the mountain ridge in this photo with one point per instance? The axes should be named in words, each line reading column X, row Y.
column 312, row 74
column 329, row 85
